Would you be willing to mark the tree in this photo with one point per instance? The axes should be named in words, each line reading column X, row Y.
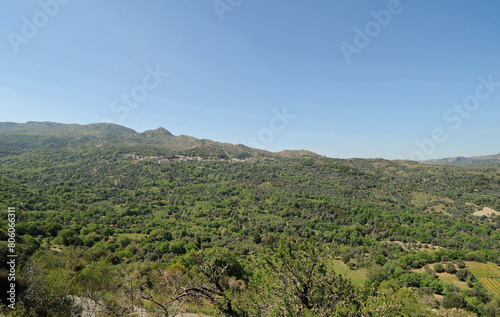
column 215, row 268
column 463, row 274
column 48, row 288
column 454, row 300
column 460, row 264
column 297, row 279
column 99, row 284
column 492, row 309
column 123, row 241
column 377, row 273
column 168, row 287
column 301, row 280
column 450, row 268
column 438, row 268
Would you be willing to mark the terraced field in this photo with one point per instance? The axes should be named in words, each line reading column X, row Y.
column 487, row 273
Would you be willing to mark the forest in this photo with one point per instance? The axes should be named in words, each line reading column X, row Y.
column 100, row 232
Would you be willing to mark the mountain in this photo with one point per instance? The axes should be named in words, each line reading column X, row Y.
column 64, row 130
column 488, row 160
column 123, row 208
column 16, row 138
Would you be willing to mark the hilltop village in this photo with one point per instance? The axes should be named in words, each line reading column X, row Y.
column 177, row 158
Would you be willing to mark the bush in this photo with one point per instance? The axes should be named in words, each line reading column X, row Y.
column 463, row 274
column 450, row 288
column 68, row 237
column 434, row 284
column 454, row 300
column 418, row 263
column 492, row 309
column 460, row 264
column 351, row 265
column 165, row 247
column 450, row 268
column 439, row 268
column 410, row 279
column 123, row 241
column 430, row 271
column 376, row 272
column 178, row 247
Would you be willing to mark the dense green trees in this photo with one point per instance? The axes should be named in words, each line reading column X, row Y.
column 111, row 213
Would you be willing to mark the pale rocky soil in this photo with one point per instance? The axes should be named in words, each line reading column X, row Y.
column 486, row 212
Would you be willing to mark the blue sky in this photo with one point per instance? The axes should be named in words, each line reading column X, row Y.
column 272, row 74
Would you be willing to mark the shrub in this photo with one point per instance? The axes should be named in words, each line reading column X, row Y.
column 123, row 241
column 351, row 265
column 439, row 268
column 463, row 274
column 450, row 268
column 454, row 300
column 460, row 264
column 430, row 271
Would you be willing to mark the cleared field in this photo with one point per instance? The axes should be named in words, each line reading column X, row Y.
column 357, row 276
column 487, row 273
column 446, row 278
column 488, row 212
column 452, row 279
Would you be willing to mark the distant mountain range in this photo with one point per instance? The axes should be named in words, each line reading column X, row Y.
column 16, row 138
column 467, row 161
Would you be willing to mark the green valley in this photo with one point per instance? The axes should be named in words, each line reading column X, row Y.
column 166, row 224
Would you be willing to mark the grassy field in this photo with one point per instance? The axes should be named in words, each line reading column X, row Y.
column 487, row 273
column 357, row 276
column 452, row 279
column 446, row 278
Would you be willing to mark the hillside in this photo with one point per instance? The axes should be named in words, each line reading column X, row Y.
column 16, row 138
column 488, row 160
column 139, row 217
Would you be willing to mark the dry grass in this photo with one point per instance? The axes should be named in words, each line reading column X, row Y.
column 438, row 209
column 452, row 279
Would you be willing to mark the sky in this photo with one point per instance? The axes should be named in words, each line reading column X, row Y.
column 391, row 79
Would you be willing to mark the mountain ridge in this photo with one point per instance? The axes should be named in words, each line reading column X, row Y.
column 19, row 137
column 485, row 160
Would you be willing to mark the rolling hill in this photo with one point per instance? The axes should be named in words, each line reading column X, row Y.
column 16, row 138
column 488, row 160
column 103, row 212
